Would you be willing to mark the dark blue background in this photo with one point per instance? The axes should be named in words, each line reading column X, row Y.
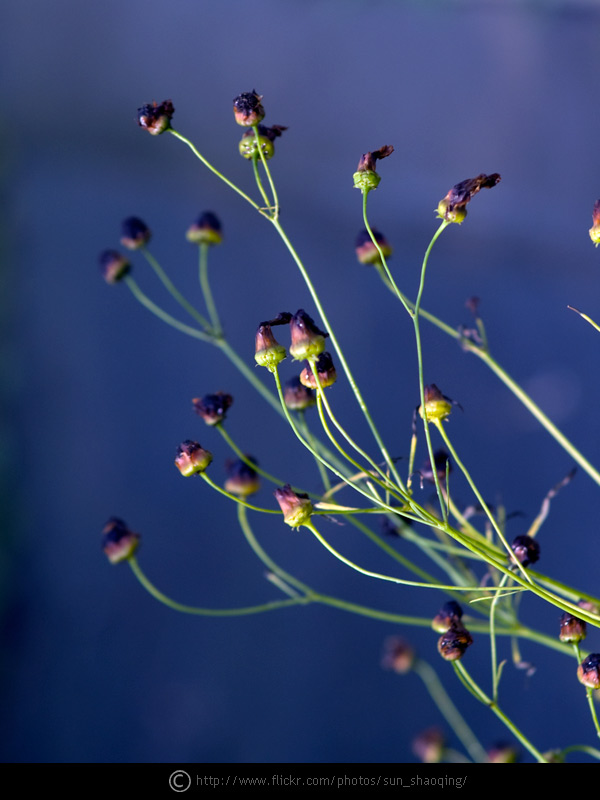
column 97, row 393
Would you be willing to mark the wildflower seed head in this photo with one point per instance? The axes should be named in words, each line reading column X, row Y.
column 437, row 405
column 595, row 229
column 212, row 407
column 242, row 479
column 118, row 542
column 251, row 145
column 113, row 266
column 134, row 233
column 453, row 207
column 156, row 118
column 298, row 397
column 366, row 177
column 502, row 753
column 324, row 369
column 588, row 671
column 296, row 507
column 366, row 252
column 398, row 655
column 268, row 352
column 453, row 644
column 526, row 550
column 191, row 458
column 449, row 614
column 429, row 745
column 205, row 230
column 247, row 108
column 308, row 341
column 572, row 629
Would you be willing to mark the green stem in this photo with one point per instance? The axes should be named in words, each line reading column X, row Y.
column 173, row 291
column 206, row 292
column 592, row 705
column 235, row 498
column 311, row 441
column 268, row 174
column 261, row 189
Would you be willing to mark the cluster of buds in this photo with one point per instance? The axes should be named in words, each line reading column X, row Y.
column 455, row 638
column 367, row 252
column 526, row 550
column 242, row 479
column 366, row 177
column 118, row 542
column 453, row 207
column 212, row 407
column 191, row 458
column 156, row 118
column 296, row 507
column 207, row 229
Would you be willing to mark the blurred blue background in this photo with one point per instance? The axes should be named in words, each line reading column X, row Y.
column 97, row 392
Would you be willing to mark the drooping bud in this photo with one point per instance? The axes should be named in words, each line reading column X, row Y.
column 156, row 118
column 453, row 644
column 437, row 405
column 398, row 655
column 212, row 407
column 247, row 108
column 296, row 508
column 134, row 233
column 449, row 614
column 429, row 745
column 192, row 458
column 113, row 266
column 206, row 229
column 249, row 148
column 365, row 177
column 241, row 478
column 595, row 229
column 118, row 542
column 308, row 341
column 588, row 671
column 453, row 207
column 268, row 352
column 572, row 629
column 440, row 458
column 526, row 550
column 298, row 397
column 324, row 369
column 366, row 252
column 502, row 753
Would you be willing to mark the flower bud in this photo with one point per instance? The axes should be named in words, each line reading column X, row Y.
column 113, row 266
column 156, row 118
column 398, row 655
column 268, row 352
column 428, row 746
column 206, row 229
column 324, row 369
column 502, row 753
column 595, row 229
column 298, row 397
column 572, row 629
column 453, row 207
column 365, row 177
column 241, row 478
column 449, row 614
column 588, row 671
column 212, row 407
column 118, row 542
column 453, row 644
column 308, row 341
column 247, row 108
column 297, row 508
column 192, row 458
column 266, row 136
column 526, row 550
column 134, row 233
column 366, row 252
column 437, row 405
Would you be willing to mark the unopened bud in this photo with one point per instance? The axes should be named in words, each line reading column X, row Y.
column 503, row 754
column 212, row 407
column 296, row 508
column 134, row 233
column 366, row 177
column 192, row 458
column 588, row 671
column 298, row 397
column 206, row 229
column 437, row 405
column 113, row 266
column 268, row 352
column 156, row 118
column 247, row 108
column 526, row 550
column 453, row 644
column 398, row 655
column 572, row 629
column 325, row 370
column 241, row 478
column 251, row 145
column 367, row 252
column 308, row 341
column 429, row 745
column 118, row 542
column 449, row 614
column 453, row 207
column 595, row 229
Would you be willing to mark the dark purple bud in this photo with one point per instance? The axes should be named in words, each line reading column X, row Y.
column 241, row 478
column 298, row 397
column 134, row 233
column 398, row 655
column 572, row 629
column 366, row 252
column 212, row 407
column 588, row 671
column 113, row 266
column 206, row 229
column 118, row 542
column 526, row 550
column 156, row 118
column 366, row 177
column 308, row 341
column 192, row 458
column 453, row 208
column 324, row 369
column 453, row 644
column 449, row 614
column 247, row 108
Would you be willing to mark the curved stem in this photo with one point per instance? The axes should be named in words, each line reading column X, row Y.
column 206, row 292
column 173, row 291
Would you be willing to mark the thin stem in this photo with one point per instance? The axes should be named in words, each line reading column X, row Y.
column 173, row 291
column 494, row 655
column 268, row 174
column 261, row 189
column 249, row 374
column 206, row 292
column 311, row 441
column 594, row 713
column 235, row 498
